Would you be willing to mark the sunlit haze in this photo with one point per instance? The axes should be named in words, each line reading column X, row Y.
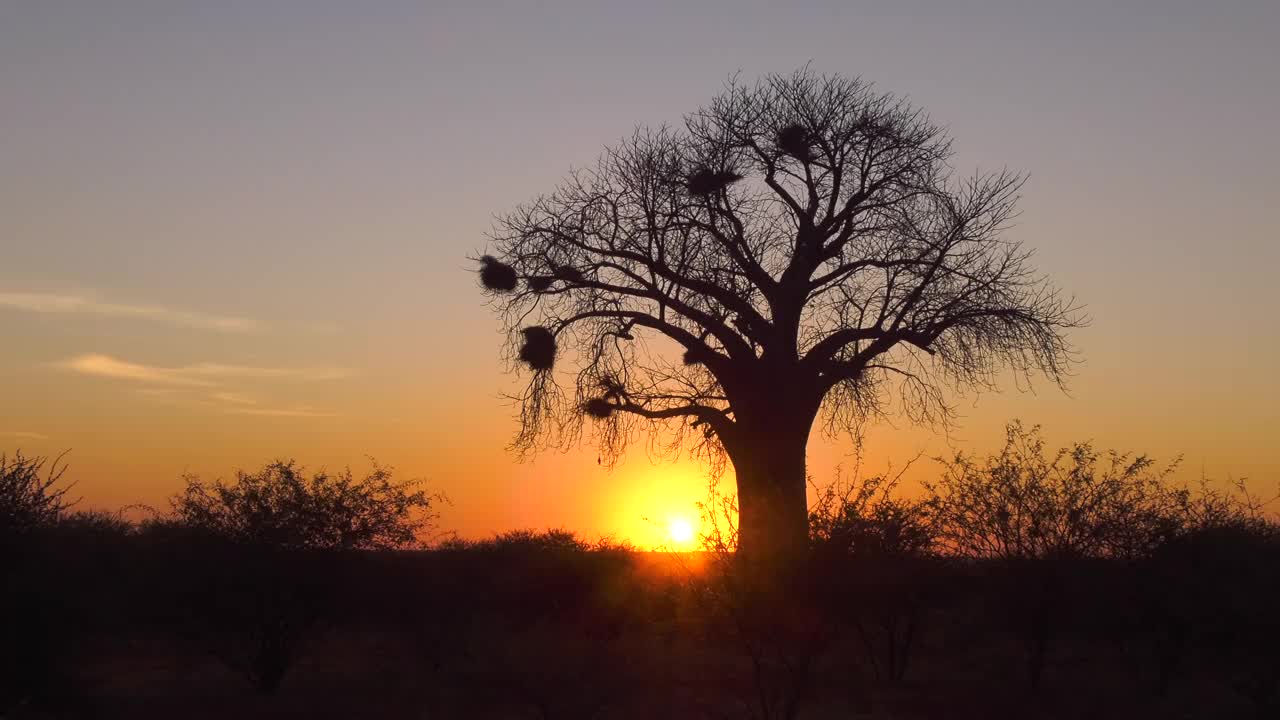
column 239, row 231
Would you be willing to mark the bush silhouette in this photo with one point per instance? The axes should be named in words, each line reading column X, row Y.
column 553, row 621
column 38, row 621
column 32, row 495
column 1037, row 516
column 1209, row 591
column 874, row 554
column 281, row 507
column 1115, row 592
column 254, row 559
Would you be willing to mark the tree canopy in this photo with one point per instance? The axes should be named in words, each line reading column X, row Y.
column 281, row 506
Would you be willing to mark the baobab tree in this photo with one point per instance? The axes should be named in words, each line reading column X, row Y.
column 799, row 249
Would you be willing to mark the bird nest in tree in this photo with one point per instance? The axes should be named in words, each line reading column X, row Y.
column 796, row 141
column 568, row 274
column 705, row 182
column 539, row 349
column 598, row 408
column 539, row 283
column 497, row 275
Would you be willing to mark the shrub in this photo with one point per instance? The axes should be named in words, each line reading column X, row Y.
column 282, row 507
column 31, row 493
column 252, row 559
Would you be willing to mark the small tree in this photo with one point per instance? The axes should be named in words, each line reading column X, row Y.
column 282, row 507
column 256, row 554
column 31, row 493
column 34, row 613
column 865, row 519
column 874, row 553
column 1023, row 504
column 1038, row 515
column 1210, row 586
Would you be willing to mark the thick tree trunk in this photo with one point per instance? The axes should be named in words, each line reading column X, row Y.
column 769, row 461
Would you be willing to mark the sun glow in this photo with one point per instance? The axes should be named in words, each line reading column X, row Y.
column 681, row 531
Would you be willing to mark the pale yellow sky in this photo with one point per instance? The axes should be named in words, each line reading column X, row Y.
column 233, row 233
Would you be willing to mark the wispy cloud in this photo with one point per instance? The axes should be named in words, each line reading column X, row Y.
column 229, row 403
column 233, row 398
column 107, row 366
column 238, row 404
column 296, row 412
column 24, row 435
column 216, row 371
column 205, row 384
column 80, row 304
column 198, row 375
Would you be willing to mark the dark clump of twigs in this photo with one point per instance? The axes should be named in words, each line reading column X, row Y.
column 598, row 408
column 568, row 274
column 539, row 283
column 705, row 182
column 796, row 141
column 497, row 275
column 539, row 349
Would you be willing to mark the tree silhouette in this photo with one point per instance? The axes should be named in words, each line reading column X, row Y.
column 799, row 247
column 29, row 499
column 35, row 618
column 1039, row 515
column 251, row 562
column 281, row 506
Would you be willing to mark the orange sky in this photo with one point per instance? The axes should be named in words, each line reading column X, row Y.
column 233, row 234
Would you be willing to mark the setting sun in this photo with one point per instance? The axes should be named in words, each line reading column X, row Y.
column 681, row 531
